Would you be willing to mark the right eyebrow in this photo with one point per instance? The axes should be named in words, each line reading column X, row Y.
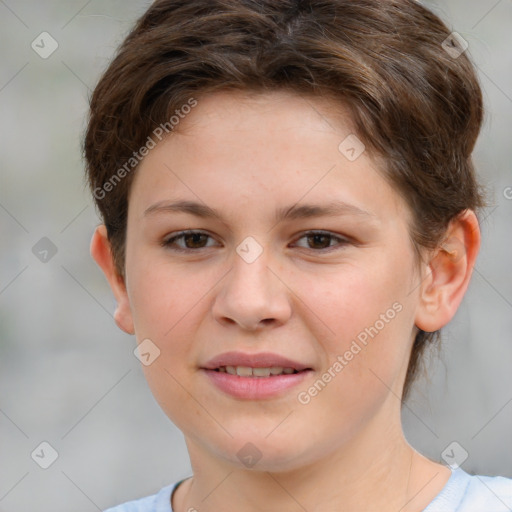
column 192, row 207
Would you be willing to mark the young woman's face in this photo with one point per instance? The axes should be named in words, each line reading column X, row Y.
column 339, row 304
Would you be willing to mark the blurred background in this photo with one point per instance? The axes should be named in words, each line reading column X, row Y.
column 68, row 376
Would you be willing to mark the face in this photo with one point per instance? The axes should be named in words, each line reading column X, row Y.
column 333, row 291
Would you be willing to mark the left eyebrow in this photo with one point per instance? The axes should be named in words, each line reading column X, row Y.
column 293, row 212
column 331, row 209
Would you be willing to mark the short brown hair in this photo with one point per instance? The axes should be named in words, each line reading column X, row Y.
column 412, row 102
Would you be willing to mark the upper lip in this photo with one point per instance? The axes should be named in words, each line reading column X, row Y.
column 257, row 360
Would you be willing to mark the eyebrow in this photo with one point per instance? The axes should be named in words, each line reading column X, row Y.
column 293, row 212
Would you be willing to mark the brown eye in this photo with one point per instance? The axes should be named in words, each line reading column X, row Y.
column 191, row 240
column 195, row 240
column 321, row 240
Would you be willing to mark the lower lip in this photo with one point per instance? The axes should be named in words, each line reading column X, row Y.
column 255, row 388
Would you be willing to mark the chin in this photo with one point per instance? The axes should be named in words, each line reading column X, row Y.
column 257, row 453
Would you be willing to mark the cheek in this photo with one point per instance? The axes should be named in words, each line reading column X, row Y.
column 162, row 296
column 167, row 312
column 364, row 315
column 353, row 298
column 169, row 306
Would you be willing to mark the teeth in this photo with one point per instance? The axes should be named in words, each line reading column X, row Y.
column 247, row 371
column 231, row 370
column 261, row 372
column 244, row 371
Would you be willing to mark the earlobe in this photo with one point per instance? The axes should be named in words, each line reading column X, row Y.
column 448, row 273
column 102, row 254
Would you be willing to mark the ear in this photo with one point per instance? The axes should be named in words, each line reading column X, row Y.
column 448, row 273
column 102, row 254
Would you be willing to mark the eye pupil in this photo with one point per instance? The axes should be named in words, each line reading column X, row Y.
column 194, row 237
column 317, row 239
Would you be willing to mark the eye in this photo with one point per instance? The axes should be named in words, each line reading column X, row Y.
column 195, row 240
column 321, row 240
column 191, row 239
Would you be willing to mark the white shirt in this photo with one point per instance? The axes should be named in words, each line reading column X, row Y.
column 462, row 493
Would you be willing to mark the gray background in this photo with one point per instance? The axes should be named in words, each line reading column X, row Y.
column 68, row 375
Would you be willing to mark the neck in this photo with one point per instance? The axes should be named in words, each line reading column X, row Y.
column 376, row 470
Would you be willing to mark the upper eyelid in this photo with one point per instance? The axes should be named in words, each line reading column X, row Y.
column 185, row 232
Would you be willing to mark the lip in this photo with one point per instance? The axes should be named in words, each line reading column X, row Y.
column 258, row 360
column 255, row 388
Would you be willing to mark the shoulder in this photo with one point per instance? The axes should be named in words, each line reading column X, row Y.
column 490, row 493
column 473, row 493
column 159, row 502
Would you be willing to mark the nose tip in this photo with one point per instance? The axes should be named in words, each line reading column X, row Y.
column 251, row 296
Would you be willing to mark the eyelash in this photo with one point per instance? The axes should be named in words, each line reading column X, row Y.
column 169, row 242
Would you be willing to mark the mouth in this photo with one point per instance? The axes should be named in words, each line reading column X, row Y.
column 258, row 372
column 257, row 376
column 261, row 364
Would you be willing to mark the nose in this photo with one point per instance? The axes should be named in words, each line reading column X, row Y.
column 252, row 295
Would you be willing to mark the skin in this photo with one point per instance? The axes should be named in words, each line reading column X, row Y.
column 246, row 156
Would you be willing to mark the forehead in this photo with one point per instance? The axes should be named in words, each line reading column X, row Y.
column 276, row 109
column 279, row 145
